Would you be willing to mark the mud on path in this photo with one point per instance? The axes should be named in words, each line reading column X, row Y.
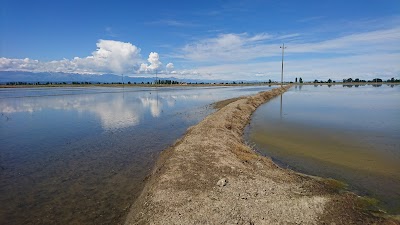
column 211, row 176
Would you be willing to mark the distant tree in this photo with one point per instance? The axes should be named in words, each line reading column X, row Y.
column 296, row 79
column 329, row 81
column 269, row 81
column 349, row 80
column 300, row 80
column 315, row 81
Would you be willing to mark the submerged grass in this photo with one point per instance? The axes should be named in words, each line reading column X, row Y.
column 368, row 203
column 326, row 147
column 335, row 185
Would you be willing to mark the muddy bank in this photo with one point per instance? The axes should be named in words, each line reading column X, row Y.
column 211, row 176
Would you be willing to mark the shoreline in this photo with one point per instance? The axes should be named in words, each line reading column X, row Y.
column 4, row 86
column 211, row 176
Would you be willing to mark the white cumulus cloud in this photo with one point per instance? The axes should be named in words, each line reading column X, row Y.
column 170, row 68
column 155, row 63
column 109, row 57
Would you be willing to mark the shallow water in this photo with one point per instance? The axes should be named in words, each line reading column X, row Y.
column 349, row 133
column 79, row 155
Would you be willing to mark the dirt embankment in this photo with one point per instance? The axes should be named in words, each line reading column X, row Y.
column 211, row 177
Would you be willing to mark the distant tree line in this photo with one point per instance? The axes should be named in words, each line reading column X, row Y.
column 299, row 81
column 172, row 82
column 375, row 80
column 35, row 83
column 81, row 83
column 60, row 83
column 329, row 81
column 167, row 82
column 356, row 80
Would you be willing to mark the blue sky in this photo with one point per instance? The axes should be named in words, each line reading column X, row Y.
column 203, row 39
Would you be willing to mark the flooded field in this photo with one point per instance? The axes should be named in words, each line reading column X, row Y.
column 80, row 155
column 349, row 133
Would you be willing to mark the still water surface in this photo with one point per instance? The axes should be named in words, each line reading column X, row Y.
column 79, row 155
column 350, row 133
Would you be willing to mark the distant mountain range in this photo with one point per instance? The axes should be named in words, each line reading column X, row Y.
column 43, row 77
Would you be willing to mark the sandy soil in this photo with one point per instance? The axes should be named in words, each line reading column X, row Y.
column 211, row 176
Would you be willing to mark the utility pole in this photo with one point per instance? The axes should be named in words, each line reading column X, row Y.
column 156, row 78
column 283, row 53
column 123, row 85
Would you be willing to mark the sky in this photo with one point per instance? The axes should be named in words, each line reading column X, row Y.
column 208, row 39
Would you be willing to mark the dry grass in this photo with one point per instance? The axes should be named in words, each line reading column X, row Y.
column 244, row 153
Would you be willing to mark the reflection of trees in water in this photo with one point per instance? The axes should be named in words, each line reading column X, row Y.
column 298, row 87
column 358, row 85
column 6, row 117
